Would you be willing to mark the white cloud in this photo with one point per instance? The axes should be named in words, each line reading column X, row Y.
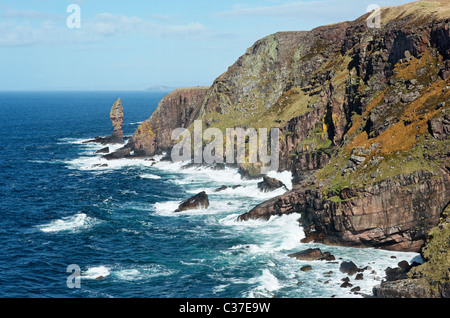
column 109, row 24
column 317, row 9
column 22, row 28
column 29, row 15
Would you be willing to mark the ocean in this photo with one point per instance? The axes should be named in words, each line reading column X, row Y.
column 61, row 206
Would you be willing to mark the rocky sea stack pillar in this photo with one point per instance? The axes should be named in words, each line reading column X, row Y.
column 117, row 121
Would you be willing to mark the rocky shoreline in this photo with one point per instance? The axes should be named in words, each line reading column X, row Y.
column 364, row 122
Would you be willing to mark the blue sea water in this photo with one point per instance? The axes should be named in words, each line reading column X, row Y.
column 58, row 207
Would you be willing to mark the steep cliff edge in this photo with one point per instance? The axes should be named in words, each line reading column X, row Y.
column 372, row 150
column 364, row 120
column 178, row 109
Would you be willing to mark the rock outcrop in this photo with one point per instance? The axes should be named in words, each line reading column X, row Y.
column 313, row 254
column 270, row 184
column 116, row 116
column 178, row 109
column 199, row 201
column 392, row 214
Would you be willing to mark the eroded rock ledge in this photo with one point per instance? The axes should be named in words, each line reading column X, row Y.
column 393, row 214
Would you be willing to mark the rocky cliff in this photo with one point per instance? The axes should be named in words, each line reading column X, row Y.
column 371, row 148
column 178, row 109
column 364, row 120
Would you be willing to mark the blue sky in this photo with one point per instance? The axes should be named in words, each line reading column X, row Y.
column 133, row 45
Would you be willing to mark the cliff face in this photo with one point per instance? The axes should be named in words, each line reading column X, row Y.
column 372, row 145
column 392, row 214
column 364, row 122
column 178, row 109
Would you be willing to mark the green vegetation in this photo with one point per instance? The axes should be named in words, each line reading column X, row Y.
column 434, row 274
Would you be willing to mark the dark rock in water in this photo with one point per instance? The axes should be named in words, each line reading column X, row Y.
column 327, row 256
column 313, row 254
column 355, row 289
column 119, row 154
column 100, row 166
column 199, row 201
column 306, row 268
column 222, row 188
column 397, row 273
column 359, row 276
column 270, row 184
column 348, row 268
column 104, row 150
column 346, row 283
column 308, row 255
column 97, row 140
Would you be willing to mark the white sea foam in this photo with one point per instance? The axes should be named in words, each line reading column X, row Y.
column 150, row 176
column 97, row 163
column 269, row 242
column 128, row 274
column 166, row 208
column 146, row 272
column 266, row 283
column 74, row 223
column 96, row 272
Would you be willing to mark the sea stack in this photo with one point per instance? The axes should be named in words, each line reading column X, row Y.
column 117, row 136
column 117, row 121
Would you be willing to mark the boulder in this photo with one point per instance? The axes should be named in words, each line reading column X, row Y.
column 327, row 256
column 308, row 255
column 222, row 188
column 199, row 201
column 359, row 276
column 346, row 283
column 306, row 268
column 355, row 289
column 348, row 268
column 270, row 184
column 398, row 273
